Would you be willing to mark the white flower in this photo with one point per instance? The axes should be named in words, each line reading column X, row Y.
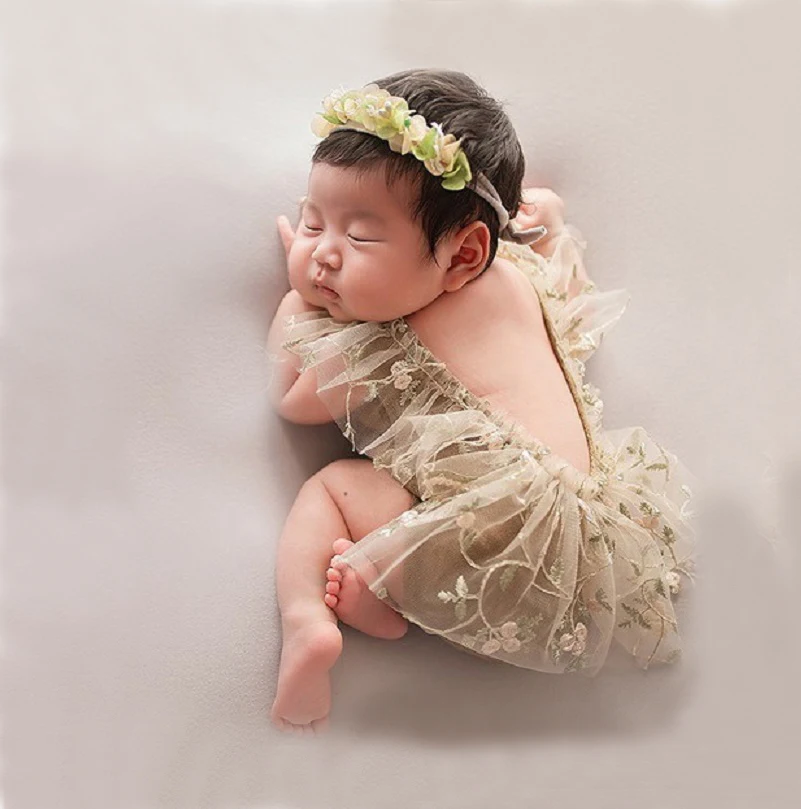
column 511, row 645
column 673, row 581
column 400, row 373
column 509, row 629
column 372, row 109
column 490, row 646
column 466, row 519
column 574, row 642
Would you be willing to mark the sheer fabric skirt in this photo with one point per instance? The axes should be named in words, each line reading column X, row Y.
column 519, row 567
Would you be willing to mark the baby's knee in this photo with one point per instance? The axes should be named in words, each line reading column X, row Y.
column 363, row 493
column 345, row 470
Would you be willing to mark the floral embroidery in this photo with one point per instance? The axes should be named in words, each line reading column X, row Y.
column 599, row 602
column 466, row 520
column 511, row 637
column 574, row 642
column 400, row 373
column 417, row 433
column 649, row 521
column 509, row 642
column 673, row 581
column 459, row 598
column 408, row 516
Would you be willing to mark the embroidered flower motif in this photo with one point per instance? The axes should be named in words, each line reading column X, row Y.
column 575, row 641
column 673, row 581
column 490, row 647
column 649, row 521
column 466, row 519
column 508, row 631
column 400, row 375
column 459, row 598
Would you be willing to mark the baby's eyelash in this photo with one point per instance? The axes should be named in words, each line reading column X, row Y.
column 361, row 241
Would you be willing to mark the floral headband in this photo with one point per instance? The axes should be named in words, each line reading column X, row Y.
column 388, row 117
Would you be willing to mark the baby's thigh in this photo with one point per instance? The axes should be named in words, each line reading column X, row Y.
column 366, row 497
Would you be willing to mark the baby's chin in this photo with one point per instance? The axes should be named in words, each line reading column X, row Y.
column 340, row 316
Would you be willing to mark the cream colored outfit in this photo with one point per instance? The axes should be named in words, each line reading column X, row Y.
column 510, row 552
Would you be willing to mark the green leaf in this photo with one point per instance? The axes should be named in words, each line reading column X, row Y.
column 506, row 577
column 425, row 149
column 600, row 597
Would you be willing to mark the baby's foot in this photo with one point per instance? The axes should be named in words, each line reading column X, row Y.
column 303, row 698
column 355, row 604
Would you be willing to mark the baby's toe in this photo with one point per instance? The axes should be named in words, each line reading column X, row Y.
column 331, row 600
column 332, row 574
column 332, row 587
column 341, row 545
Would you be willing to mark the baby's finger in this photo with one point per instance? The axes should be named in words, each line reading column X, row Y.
column 286, row 233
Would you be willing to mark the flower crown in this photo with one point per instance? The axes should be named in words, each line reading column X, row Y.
column 374, row 110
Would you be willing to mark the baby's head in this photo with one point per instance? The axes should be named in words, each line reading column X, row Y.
column 381, row 230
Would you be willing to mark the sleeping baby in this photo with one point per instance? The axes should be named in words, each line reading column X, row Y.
column 440, row 314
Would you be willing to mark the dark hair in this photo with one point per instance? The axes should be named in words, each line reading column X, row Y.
column 463, row 108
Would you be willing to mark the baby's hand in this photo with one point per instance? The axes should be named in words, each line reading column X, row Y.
column 542, row 206
column 285, row 229
column 286, row 233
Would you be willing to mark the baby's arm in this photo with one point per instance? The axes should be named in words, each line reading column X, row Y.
column 292, row 393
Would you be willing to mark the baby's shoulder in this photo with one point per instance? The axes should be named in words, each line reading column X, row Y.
column 482, row 322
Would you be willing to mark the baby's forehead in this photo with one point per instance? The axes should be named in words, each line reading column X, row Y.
column 358, row 202
column 358, row 184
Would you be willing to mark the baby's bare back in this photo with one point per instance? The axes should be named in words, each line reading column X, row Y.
column 491, row 334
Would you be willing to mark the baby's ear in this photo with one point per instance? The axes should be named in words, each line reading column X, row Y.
column 468, row 253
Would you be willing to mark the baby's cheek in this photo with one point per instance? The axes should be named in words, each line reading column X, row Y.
column 295, row 269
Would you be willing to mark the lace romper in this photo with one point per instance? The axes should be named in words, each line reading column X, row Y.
column 510, row 552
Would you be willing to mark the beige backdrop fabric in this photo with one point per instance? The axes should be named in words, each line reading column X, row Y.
column 149, row 148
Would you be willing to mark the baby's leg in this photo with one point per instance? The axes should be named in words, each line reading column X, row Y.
column 347, row 499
